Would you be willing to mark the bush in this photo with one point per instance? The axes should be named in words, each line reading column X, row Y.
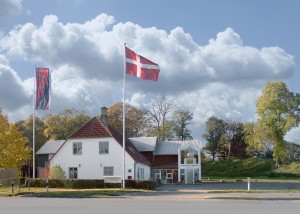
column 56, row 172
column 148, row 185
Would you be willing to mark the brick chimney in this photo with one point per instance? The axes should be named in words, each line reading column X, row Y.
column 104, row 116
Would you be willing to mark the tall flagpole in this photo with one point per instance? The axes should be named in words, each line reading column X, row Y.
column 124, row 75
column 33, row 124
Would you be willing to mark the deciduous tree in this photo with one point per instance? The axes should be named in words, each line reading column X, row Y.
column 279, row 111
column 62, row 125
column 215, row 129
column 27, row 129
column 136, row 121
column 158, row 112
column 181, row 119
column 13, row 151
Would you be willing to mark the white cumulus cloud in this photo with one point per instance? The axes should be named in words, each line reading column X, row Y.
column 221, row 78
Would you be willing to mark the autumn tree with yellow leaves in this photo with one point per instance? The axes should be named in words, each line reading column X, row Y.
column 13, row 150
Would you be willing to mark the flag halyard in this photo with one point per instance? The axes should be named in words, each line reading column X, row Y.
column 140, row 67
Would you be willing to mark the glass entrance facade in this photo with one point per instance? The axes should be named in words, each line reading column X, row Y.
column 186, row 169
column 189, row 164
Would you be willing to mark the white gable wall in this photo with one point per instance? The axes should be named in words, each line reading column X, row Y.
column 142, row 172
column 90, row 163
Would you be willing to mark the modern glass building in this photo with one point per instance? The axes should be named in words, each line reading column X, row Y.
column 171, row 161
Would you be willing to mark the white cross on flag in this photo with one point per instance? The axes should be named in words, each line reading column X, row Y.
column 141, row 67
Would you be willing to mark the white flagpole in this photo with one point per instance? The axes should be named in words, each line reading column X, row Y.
column 124, row 75
column 33, row 124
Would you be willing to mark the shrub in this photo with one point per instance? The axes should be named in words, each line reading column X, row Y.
column 56, row 172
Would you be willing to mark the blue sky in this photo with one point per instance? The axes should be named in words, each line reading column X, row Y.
column 215, row 56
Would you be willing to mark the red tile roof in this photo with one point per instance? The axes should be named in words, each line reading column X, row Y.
column 93, row 128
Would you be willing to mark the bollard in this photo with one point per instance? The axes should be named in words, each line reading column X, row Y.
column 28, row 184
column 249, row 184
column 47, row 185
column 12, row 186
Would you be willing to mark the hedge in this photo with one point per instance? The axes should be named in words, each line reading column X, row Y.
column 88, row 184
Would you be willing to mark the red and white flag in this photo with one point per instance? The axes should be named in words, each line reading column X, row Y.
column 141, row 67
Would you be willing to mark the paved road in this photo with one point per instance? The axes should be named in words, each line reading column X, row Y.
column 243, row 185
column 17, row 205
column 203, row 191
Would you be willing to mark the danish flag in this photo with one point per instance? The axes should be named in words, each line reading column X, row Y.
column 141, row 67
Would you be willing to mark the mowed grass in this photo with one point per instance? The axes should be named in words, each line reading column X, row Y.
column 254, row 168
column 66, row 193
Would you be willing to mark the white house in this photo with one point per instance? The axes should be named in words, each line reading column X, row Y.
column 95, row 150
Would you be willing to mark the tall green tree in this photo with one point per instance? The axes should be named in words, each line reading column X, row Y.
column 279, row 111
column 215, row 129
column 26, row 126
column 167, row 131
column 292, row 152
column 257, row 139
column 136, row 121
column 238, row 145
column 232, row 142
column 13, row 151
column 181, row 119
column 62, row 125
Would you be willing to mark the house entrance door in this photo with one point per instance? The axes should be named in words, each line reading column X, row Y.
column 158, row 176
column 189, row 176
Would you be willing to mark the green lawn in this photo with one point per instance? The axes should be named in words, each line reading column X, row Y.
column 66, row 193
column 254, row 168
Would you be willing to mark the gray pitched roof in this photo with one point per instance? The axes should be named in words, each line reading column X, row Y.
column 144, row 144
column 171, row 147
column 50, row 147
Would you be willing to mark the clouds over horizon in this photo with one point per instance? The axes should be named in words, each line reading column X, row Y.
column 222, row 78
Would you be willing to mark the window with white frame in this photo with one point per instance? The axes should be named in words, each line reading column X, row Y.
column 73, row 172
column 77, row 148
column 103, row 147
column 142, row 174
column 108, row 171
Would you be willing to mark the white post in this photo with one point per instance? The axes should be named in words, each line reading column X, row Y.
column 249, row 184
column 199, row 162
column 33, row 125
column 124, row 75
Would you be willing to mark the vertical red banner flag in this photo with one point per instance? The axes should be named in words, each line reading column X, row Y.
column 42, row 101
column 140, row 67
